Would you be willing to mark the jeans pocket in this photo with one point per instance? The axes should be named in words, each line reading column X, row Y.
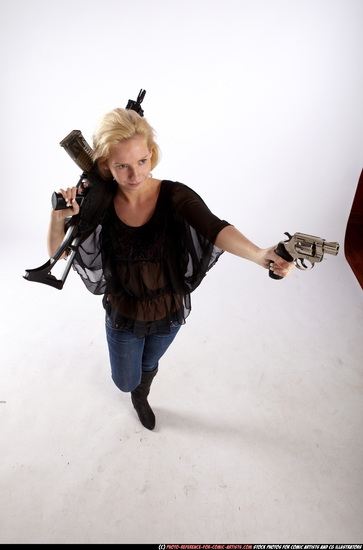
column 114, row 326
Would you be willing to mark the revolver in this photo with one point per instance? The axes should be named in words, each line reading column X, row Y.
column 300, row 247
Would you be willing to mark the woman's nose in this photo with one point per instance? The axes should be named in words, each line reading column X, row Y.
column 133, row 172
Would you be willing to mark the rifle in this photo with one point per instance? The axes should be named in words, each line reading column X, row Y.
column 94, row 195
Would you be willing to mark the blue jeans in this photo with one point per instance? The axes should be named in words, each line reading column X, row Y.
column 129, row 356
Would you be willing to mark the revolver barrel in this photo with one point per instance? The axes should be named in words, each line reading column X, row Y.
column 331, row 248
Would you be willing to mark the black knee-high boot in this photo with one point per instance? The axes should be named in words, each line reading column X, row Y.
column 139, row 399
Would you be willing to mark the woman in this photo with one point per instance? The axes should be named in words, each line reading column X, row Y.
column 156, row 242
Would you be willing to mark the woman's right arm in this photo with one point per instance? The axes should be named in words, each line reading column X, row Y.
column 57, row 219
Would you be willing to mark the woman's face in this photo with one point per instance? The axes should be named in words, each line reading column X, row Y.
column 130, row 164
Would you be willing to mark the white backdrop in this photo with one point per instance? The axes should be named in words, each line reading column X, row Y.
column 257, row 105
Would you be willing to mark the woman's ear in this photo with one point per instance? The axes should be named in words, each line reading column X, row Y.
column 104, row 168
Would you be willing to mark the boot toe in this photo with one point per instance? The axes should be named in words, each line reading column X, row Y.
column 145, row 414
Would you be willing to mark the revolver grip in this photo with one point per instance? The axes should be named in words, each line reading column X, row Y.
column 280, row 251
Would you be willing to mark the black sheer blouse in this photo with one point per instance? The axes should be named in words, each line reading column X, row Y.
column 147, row 273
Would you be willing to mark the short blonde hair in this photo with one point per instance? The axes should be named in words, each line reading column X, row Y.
column 117, row 126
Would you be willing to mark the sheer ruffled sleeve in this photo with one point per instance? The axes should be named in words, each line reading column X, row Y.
column 197, row 229
column 191, row 208
column 88, row 263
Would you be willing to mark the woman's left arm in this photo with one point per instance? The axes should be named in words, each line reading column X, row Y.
column 231, row 240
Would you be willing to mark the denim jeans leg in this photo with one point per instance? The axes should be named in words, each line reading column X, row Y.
column 155, row 347
column 125, row 353
column 130, row 355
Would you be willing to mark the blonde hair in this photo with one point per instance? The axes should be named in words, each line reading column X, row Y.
column 117, row 126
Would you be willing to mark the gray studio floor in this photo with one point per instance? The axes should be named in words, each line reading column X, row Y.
column 259, row 415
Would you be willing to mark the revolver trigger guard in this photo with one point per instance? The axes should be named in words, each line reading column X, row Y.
column 300, row 264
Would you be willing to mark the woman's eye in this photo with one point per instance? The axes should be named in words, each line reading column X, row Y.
column 121, row 166
column 143, row 161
